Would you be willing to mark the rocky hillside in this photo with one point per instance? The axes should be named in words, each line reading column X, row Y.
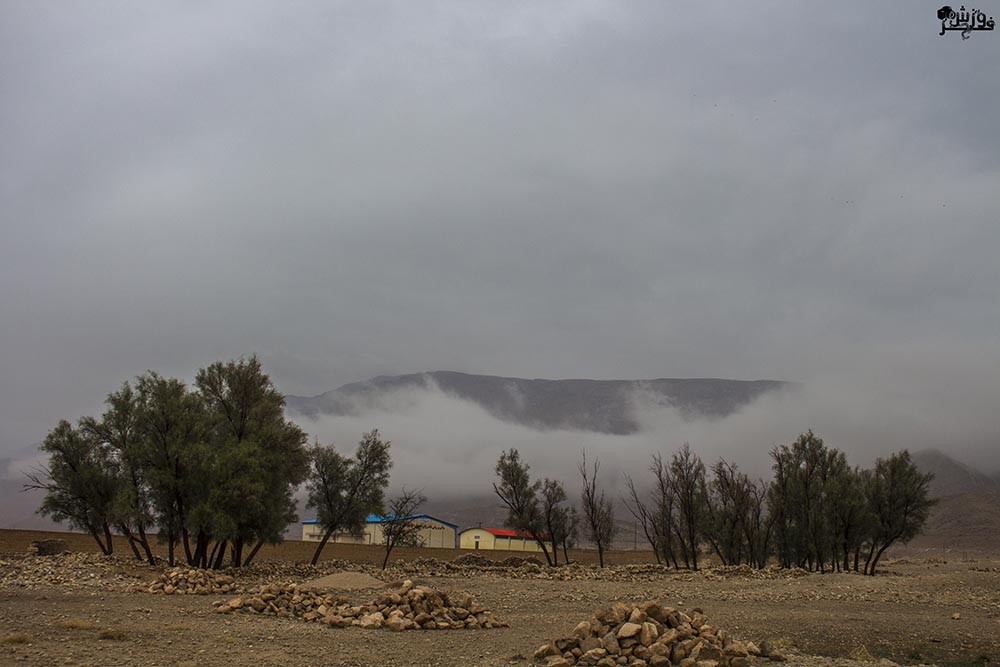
column 951, row 477
column 603, row 406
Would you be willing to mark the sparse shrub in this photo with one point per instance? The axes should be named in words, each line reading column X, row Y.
column 112, row 634
column 17, row 638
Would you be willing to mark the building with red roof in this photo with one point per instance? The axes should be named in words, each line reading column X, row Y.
column 497, row 538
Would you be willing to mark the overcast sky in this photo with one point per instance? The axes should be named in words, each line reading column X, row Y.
column 539, row 189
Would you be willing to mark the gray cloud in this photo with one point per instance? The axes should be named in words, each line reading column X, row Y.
column 559, row 190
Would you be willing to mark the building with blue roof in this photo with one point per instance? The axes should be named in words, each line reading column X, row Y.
column 434, row 532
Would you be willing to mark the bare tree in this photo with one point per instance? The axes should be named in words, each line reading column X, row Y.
column 597, row 508
column 644, row 515
column 400, row 525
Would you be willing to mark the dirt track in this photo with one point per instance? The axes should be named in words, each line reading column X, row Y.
column 904, row 615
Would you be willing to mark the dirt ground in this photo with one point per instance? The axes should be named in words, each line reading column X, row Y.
column 904, row 615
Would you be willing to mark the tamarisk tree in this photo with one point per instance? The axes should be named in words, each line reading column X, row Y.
column 345, row 490
column 520, row 496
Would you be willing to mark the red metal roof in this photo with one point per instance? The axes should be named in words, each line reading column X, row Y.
column 503, row 532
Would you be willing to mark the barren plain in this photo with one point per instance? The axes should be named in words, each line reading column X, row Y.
column 85, row 609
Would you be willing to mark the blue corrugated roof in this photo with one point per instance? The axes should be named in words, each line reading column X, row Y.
column 374, row 518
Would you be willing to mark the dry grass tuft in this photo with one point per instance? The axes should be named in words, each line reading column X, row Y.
column 112, row 634
column 16, row 638
column 176, row 627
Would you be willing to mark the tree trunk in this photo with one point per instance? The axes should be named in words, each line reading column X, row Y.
column 107, row 537
column 600, row 554
column 545, row 550
column 238, row 553
column 215, row 550
column 871, row 572
column 100, row 544
column 871, row 552
column 171, row 543
column 555, row 553
column 144, row 541
column 388, row 550
column 124, row 530
column 253, row 553
column 319, row 547
column 187, row 545
column 222, row 552
column 565, row 553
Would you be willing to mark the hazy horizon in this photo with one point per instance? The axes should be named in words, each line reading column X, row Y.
column 569, row 189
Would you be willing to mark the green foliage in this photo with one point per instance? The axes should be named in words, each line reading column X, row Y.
column 220, row 464
column 342, row 490
column 520, row 495
column 80, row 482
column 899, row 498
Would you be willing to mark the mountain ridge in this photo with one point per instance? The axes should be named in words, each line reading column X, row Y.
column 603, row 406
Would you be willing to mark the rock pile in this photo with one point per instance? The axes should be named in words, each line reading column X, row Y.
column 647, row 635
column 184, row 581
column 50, row 547
column 408, row 607
column 69, row 571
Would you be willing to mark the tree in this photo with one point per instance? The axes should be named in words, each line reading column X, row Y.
column 119, row 430
column 343, row 491
column 665, row 526
column 597, row 509
column 259, row 456
column 726, row 511
column 687, row 474
column 644, row 515
column 171, row 425
column 555, row 516
column 899, row 496
column 851, row 518
column 520, row 496
column 400, row 525
column 79, row 482
column 757, row 523
column 803, row 500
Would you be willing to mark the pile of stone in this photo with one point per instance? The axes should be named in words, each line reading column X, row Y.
column 408, row 607
column 69, row 571
column 648, row 635
column 185, row 581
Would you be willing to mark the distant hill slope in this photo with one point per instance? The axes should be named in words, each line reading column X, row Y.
column 951, row 477
column 592, row 405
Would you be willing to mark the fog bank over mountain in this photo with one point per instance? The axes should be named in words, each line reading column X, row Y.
column 604, row 406
column 448, row 444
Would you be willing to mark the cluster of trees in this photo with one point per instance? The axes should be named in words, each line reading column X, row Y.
column 537, row 508
column 817, row 512
column 211, row 469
